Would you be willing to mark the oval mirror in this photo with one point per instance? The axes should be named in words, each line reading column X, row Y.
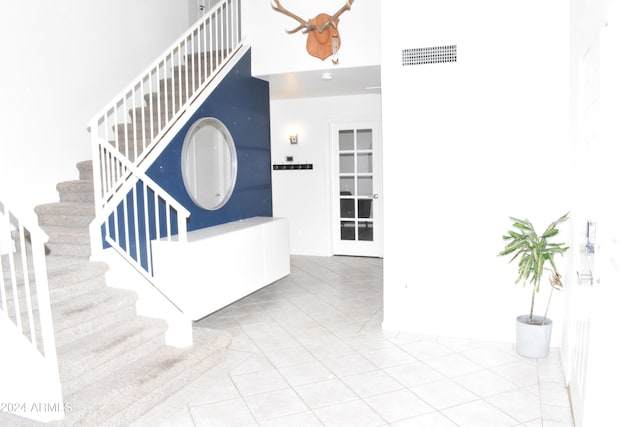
column 209, row 163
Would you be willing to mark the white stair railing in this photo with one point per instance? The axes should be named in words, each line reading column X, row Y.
column 136, row 120
column 134, row 128
column 26, row 330
column 147, row 212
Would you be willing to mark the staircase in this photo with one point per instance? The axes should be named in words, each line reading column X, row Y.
column 113, row 364
column 133, row 129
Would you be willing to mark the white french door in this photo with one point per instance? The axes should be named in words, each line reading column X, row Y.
column 584, row 286
column 608, row 181
column 355, row 191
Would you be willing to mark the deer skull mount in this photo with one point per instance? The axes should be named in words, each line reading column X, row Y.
column 323, row 39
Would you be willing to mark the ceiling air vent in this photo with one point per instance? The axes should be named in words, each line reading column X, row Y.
column 430, row 55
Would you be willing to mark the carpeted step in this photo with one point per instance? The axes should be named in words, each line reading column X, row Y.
column 76, row 191
column 132, row 131
column 64, row 272
column 68, row 241
column 92, row 311
column 125, row 395
column 19, row 299
column 85, row 170
column 148, row 114
column 200, row 72
column 204, row 56
column 71, row 235
column 74, row 305
column 70, row 249
column 95, row 356
column 70, row 277
column 66, row 279
column 130, row 148
column 168, row 92
column 174, row 89
column 67, row 214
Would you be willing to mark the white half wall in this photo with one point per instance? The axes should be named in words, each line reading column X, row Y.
column 62, row 62
column 303, row 196
column 466, row 145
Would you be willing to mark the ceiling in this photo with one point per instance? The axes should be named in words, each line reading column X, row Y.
column 310, row 84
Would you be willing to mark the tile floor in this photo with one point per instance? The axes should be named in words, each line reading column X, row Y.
column 309, row 350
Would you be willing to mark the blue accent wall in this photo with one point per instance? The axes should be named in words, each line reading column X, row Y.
column 241, row 102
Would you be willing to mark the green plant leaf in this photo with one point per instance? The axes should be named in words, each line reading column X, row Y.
column 514, row 235
column 532, row 251
column 550, row 233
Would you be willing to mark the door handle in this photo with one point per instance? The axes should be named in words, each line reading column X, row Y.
column 587, row 278
column 375, row 196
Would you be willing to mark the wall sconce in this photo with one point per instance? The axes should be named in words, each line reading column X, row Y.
column 293, row 139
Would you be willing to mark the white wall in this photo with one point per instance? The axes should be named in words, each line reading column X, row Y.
column 62, row 62
column 303, row 196
column 466, row 145
column 274, row 51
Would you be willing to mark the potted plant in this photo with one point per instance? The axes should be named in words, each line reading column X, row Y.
column 535, row 254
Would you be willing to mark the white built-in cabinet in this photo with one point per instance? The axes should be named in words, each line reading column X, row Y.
column 221, row 264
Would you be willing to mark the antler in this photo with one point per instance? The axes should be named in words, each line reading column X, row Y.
column 335, row 16
column 305, row 25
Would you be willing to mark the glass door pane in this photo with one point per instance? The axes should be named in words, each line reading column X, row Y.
column 356, row 157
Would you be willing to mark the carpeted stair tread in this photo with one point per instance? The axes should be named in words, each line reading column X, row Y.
column 90, row 312
column 76, row 214
column 66, row 208
column 167, row 92
column 77, row 184
column 124, row 396
column 58, row 295
column 70, row 249
column 64, row 271
column 75, row 191
column 60, row 270
column 85, row 170
column 148, row 113
column 94, row 356
column 61, row 234
column 149, row 127
column 131, row 148
column 90, row 304
column 69, row 241
column 69, row 279
column 173, row 90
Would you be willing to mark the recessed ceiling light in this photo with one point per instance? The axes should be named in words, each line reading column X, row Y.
column 327, row 76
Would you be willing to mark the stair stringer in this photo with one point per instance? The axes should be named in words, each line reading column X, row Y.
column 152, row 301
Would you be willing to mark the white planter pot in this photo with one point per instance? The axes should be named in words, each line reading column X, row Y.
column 532, row 340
